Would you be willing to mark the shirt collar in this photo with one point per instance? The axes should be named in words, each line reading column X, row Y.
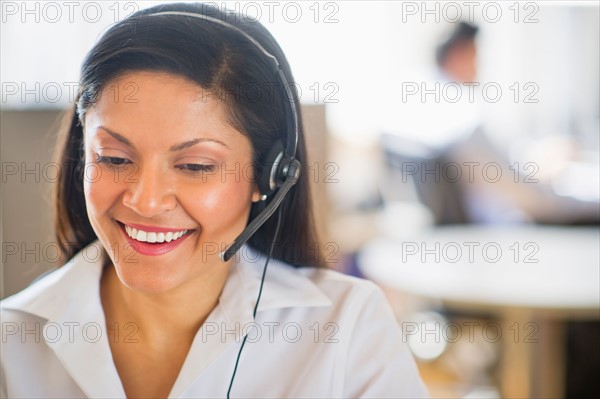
column 68, row 292
column 73, row 289
column 284, row 287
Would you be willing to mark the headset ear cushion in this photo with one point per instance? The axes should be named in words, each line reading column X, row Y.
column 270, row 179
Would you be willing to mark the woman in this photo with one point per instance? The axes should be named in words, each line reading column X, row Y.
column 184, row 149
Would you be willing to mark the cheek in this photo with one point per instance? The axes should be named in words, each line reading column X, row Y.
column 100, row 193
column 215, row 199
column 220, row 207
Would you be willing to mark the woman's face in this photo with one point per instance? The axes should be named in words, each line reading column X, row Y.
column 162, row 159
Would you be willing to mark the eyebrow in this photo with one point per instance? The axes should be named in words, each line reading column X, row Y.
column 173, row 148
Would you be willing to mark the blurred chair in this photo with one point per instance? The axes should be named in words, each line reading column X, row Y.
column 415, row 172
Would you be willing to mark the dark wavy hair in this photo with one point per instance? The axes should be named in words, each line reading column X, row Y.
column 220, row 60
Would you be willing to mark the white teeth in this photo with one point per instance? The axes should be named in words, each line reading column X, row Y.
column 152, row 236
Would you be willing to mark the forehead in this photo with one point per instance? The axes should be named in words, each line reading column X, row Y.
column 157, row 91
column 156, row 104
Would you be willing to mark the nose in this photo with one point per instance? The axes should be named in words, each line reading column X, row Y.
column 150, row 193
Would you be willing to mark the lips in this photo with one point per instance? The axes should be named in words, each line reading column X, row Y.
column 153, row 241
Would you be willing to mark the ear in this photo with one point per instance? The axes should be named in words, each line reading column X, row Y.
column 255, row 193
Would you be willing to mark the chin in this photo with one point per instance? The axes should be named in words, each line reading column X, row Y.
column 159, row 280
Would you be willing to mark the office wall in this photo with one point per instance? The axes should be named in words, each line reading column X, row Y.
column 28, row 248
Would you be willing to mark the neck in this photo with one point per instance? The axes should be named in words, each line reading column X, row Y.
column 160, row 317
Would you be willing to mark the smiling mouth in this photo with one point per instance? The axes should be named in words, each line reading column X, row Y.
column 153, row 237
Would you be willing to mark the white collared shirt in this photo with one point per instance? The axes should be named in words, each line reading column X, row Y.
column 317, row 333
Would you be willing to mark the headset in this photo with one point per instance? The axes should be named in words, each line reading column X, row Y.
column 281, row 171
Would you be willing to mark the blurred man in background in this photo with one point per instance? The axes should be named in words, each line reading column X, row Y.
column 462, row 176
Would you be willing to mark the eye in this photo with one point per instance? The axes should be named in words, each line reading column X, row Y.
column 197, row 167
column 112, row 161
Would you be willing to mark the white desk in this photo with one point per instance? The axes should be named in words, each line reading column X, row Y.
column 541, row 274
